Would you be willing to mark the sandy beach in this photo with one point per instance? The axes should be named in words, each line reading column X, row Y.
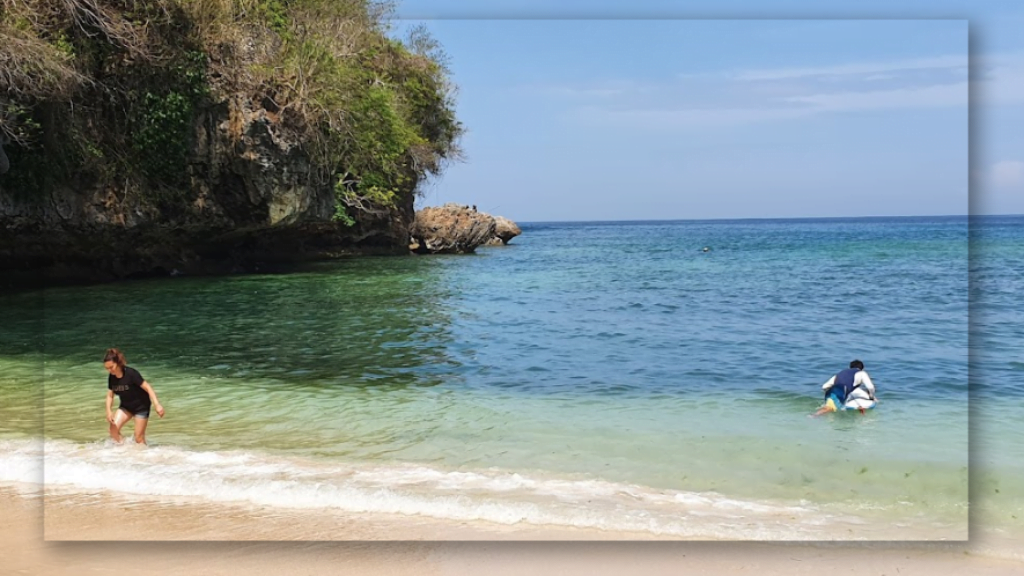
column 56, row 542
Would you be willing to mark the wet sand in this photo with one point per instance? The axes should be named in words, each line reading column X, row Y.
column 77, row 534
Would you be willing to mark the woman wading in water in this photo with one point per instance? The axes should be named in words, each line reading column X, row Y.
column 136, row 395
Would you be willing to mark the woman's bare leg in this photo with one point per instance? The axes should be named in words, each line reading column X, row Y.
column 120, row 419
column 140, row 430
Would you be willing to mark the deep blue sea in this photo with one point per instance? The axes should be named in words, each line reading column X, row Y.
column 608, row 375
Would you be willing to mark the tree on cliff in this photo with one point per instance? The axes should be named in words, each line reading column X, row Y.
column 106, row 93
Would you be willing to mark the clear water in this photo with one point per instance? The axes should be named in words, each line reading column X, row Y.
column 609, row 375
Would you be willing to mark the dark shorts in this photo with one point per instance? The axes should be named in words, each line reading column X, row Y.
column 140, row 414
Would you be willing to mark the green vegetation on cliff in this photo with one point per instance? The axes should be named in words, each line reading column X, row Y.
column 107, row 93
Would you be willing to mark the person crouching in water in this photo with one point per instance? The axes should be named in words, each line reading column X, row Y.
column 846, row 386
column 136, row 396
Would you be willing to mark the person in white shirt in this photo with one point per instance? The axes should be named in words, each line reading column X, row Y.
column 850, row 389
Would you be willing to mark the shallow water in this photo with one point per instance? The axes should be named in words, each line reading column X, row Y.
column 590, row 374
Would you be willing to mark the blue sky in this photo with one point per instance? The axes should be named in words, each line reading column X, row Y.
column 590, row 112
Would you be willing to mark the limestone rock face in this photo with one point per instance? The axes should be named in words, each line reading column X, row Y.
column 252, row 197
column 5, row 164
column 450, row 229
column 249, row 164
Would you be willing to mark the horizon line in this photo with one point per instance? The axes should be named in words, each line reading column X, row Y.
column 762, row 218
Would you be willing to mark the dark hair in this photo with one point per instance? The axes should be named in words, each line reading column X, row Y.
column 857, row 364
column 116, row 356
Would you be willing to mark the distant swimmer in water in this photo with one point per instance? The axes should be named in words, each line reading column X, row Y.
column 137, row 396
column 849, row 389
column 706, row 249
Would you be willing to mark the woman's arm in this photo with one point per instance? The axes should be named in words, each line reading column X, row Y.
column 110, row 404
column 152, row 396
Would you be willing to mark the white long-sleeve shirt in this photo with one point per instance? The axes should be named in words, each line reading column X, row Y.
column 865, row 391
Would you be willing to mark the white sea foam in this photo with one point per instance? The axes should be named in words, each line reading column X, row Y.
column 492, row 495
column 21, row 461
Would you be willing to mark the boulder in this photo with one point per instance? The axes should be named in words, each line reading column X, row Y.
column 450, row 229
column 505, row 230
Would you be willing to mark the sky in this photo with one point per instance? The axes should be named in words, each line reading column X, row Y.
column 598, row 111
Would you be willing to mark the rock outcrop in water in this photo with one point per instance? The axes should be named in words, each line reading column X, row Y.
column 504, row 230
column 458, row 229
column 450, row 229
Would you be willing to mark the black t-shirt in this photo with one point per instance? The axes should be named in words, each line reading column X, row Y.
column 129, row 389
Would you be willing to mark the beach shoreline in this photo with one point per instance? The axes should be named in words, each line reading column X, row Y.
column 85, row 534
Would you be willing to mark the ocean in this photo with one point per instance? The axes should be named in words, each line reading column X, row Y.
column 602, row 375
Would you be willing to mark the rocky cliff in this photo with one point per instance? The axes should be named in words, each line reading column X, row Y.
column 252, row 199
column 210, row 136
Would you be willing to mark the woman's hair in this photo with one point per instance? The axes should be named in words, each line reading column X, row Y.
column 116, row 356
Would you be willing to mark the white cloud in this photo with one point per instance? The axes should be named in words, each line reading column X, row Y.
column 773, row 94
column 942, row 95
column 788, row 108
column 862, row 68
column 1008, row 174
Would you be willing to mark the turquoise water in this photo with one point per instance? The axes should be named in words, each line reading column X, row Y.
column 606, row 375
